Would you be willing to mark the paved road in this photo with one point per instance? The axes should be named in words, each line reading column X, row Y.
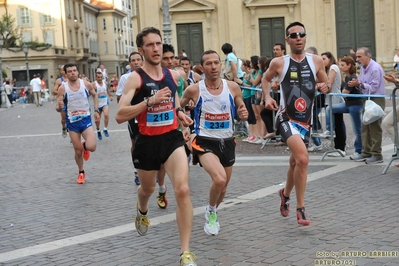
column 47, row 219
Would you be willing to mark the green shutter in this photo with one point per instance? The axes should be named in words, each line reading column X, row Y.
column 19, row 17
column 30, row 18
column 41, row 19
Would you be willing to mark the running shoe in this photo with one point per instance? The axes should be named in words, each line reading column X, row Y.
column 106, row 133
column 81, row 178
column 355, row 156
column 302, row 217
column 64, row 132
column 374, row 160
column 86, row 153
column 285, row 203
column 337, row 154
column 162, row 200
column 315, row 148
column 100, row 137
column 212, row 226
column 136, row 179
column 188, row 259
column 141, row 222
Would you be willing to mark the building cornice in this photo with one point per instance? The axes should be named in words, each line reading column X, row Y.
column 179, row 6
column 257, row 3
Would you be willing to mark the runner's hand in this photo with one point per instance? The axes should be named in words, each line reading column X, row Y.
column 184, row 119
column 96, row 117
column 271, row 104
column 242, row 112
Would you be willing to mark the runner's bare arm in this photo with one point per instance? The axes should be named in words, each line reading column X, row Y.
column 272, row 71
column 190, row 93
column 60, row 98
column 235, row 90
column 57, row 84
column 92, row 92
column 126, row 111
column 322, row 81
column 184, row 119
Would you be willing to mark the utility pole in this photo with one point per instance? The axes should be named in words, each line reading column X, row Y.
column 167, row 30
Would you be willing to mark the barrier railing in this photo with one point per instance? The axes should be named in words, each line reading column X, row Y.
column 332, row 134
column 395, row 156
column 392, row 96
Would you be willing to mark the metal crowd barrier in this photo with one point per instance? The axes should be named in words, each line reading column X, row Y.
column 265, row 141
column 388, row 96
column 395, row 156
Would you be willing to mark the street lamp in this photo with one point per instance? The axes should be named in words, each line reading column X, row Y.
column 3, row 93
column 1, row 69
column 25, row 48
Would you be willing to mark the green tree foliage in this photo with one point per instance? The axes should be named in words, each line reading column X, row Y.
column 9, row 30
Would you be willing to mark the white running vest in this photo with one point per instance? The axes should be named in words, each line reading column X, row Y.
column 77, row 102
column 214, row 114
column 102, row 94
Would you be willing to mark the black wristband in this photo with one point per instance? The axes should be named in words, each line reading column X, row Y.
column 178, row 109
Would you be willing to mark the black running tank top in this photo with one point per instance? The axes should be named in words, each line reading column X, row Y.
column 298, row 87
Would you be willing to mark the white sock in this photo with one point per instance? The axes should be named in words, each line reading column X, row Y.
column 98, row 130
column 105, row 128
column 212, row 208
column 162, row 189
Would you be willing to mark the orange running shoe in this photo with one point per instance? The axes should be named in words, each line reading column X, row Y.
column 302, row 217
column 86, row 153
column 81, row 178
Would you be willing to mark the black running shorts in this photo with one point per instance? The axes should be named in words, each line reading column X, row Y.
column 152, row 151
column 224, row 149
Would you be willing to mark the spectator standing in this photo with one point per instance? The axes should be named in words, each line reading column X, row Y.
column 352, row 105
column 335, row 80
column 8, row 90
column 388, row 122
column 36, row 89
column 114, row 83
column 370, row 81
column 101, row 68
column 396, row 61
column 231, row 63
column 317, row 106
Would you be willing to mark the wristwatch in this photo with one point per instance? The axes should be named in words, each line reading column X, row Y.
column 179, row 109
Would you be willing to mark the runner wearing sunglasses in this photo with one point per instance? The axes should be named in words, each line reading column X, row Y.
column 298, row 74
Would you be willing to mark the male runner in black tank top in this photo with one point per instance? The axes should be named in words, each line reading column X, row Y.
column 298, row 73
column 156, row 107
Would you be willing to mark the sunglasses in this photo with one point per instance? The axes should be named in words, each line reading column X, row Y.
column 295, row 35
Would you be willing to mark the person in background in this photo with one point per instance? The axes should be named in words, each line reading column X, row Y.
column 396, row 60
column 74, row 96
column 36, row 89
column 352, row 105
column 135, row 62
column 101, row 68
column 231, row 63
column 255, row 78
column 335, row 81
column 247, row 93
column 388, row 122
column 114, row 83
column 317, row 107
column 370, row 82
column 8, row 90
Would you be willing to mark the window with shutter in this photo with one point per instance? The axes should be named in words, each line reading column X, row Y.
column 49, row 37
column 26, row 36
column 25, row 16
